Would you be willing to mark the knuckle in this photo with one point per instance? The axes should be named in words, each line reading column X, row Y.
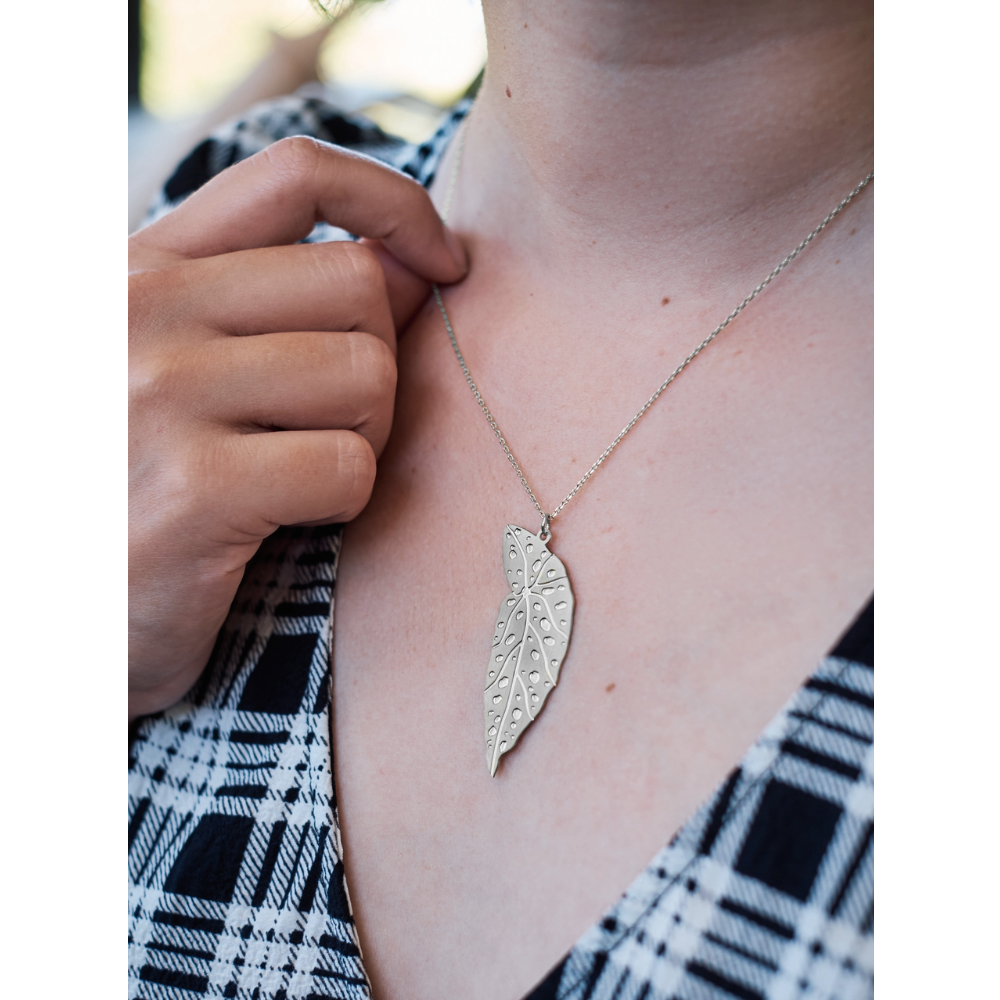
column 159, row 300
column 171, row 485
column 365, row 266
column 356, row 472
column 373, row 366
column 143, row 286
column 296, row 156
column 154, row 295
column 186, row 480
column 171, row 391
column 153, row 381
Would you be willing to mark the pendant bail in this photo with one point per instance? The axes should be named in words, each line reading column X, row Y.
column 545, row 531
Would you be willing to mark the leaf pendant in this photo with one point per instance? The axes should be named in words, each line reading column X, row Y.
column 530, row 641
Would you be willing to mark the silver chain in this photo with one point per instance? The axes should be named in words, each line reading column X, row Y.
column 548, row 518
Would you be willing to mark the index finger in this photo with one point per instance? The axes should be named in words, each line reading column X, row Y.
column 276, row 196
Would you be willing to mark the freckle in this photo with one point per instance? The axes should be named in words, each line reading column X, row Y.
column 610, row 688
column 508, row 91
column 664, row 300
column 837, row 261
column 593, row 243
column 526, row 24
column 665, row 207
column 852, row 232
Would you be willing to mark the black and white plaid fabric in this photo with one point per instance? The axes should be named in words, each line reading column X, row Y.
column 767, row 891
column 236, row 870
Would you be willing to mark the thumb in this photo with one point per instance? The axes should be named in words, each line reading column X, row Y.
column 407, row 291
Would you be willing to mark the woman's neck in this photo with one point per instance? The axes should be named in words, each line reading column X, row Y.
column 654, row 123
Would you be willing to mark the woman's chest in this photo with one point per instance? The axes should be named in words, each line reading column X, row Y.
column 714, row 559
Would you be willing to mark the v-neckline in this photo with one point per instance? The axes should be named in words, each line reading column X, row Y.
column 853, row 646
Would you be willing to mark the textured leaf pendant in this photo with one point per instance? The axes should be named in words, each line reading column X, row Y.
column 530, row 641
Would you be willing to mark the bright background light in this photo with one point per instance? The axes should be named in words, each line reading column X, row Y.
column 400, row 63
column 429, row 48
column 197, row 50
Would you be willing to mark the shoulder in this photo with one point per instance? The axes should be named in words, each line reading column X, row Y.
column 308, row 112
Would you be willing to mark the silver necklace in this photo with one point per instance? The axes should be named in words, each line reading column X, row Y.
column 535, row 620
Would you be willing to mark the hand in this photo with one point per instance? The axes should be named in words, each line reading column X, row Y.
column 262, row 378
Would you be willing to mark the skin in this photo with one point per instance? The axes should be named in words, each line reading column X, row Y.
column 631, row 172
column 261, row 380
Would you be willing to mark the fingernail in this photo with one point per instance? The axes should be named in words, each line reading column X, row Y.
column 457, row 251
